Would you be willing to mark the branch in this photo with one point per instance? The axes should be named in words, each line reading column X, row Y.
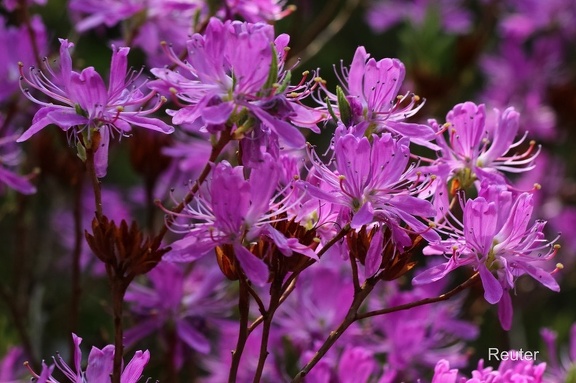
column 444, row 297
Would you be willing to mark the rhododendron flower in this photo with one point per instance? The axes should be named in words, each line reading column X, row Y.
column 86, row 106
column 23, row 51
column 231, row 69
column 496, row 240
column 177, row 301
column 9, row 158
column 236, row 211
column 99, row 368
column 372, row 89
column 476, row 151
column 509, row 371
column 372, row 181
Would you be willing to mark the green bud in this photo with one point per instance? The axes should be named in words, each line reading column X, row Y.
column 343, row 107
column 81, row 151
column 273, row 73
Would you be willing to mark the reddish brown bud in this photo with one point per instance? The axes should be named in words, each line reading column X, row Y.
column 394, row 263
column 124, row 250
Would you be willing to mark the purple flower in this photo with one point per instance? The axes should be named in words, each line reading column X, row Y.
column 496, row 240
column 384, row 14
column 99, row 368
column 11, row 365
column 309, row 314
column 23, row 51
column 372, row 89
column 12, row 5
column 414, row 340
column 522, row 77
column 157, row 21
column 86, row 106
column 254, row 11
column 509, row 371
column 218, row 366
column 93, row 13
column 529, row 17
column 373, row 182
column 185, row 302
column 476, row 151
column 560, row 369
column 354, row 365
column 232, row 69
column 10, row 158
column 232, row 210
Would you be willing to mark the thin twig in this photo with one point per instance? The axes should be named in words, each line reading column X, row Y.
column 244, row 309
column 353, row 316
column 225, row 138
column 469, row 282
column 76, row 253
column 350, row 318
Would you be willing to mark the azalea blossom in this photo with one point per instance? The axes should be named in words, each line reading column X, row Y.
column 9, row 158
column 372, row 181
column 85, row 106
column 183, row 302
column 375, row 106
column 497, row 240
column 234, row 73
column 99, row 368
column 476, row 150
column 509, row 371
column 232, row 210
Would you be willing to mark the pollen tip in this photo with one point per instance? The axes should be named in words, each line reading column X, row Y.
column 559, row 266
column 537, row 186
column 557, row 246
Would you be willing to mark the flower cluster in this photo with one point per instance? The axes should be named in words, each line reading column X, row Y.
column 254, row 255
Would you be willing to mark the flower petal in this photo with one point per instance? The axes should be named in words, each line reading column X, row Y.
column 256, row 270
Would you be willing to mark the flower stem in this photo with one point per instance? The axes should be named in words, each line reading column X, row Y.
column 91, row 169
column 353, row 316
column 118, row 290
column 275, row 297
column 350, row 318
column 76, row 253
column 244, row 308
column 443, row 297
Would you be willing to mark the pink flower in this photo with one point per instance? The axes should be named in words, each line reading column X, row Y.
column 99, row 368
column 496, row 240
column 86, row 106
